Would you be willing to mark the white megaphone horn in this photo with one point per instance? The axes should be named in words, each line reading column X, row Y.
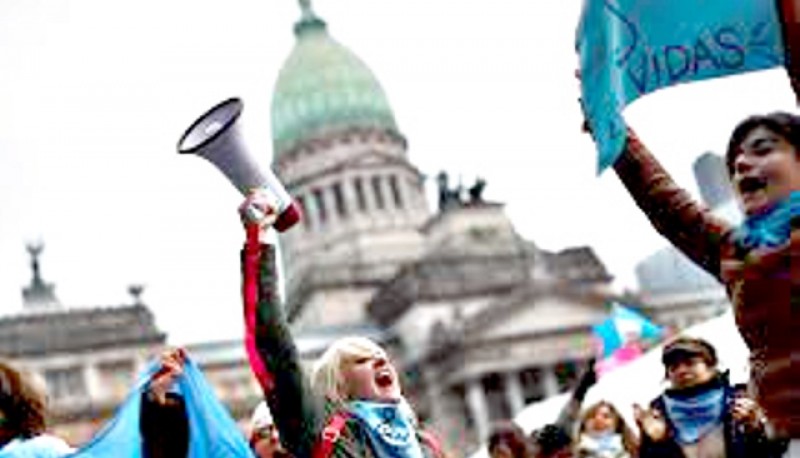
column 215, row 137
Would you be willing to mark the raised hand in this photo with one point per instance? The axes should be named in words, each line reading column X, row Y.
column 651, row 423
column 171, row 368
column 747, row 413
column 259, row 208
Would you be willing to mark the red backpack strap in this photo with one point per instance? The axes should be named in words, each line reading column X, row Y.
column 331, row 434
column 432, row 441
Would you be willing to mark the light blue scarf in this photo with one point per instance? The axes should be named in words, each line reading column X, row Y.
column 771, row 228
column 389, row 427
column 605, row 444
column 697, row 415
column 43, row 446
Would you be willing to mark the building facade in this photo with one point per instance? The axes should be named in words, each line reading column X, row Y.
column 87, row 357
column 479, row 320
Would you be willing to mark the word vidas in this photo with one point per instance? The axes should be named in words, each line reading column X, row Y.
column 725, row 49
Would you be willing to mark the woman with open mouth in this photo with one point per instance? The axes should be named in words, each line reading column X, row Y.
column 354, row 407
column 758, row 262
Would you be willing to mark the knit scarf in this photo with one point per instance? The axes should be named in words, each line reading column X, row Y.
column 390, row 429
column 602, row 445
column 694, row 415
column 772, row 227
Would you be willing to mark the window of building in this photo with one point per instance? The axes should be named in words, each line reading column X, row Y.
column 319, row 203
column 338, row 198
column 116, row 377
column 302, row 202
column 459, row 396
column 395, row 187
column 531, row 381
column 496, row 399
column 377, row 190
column 66, row 383
column 361, row 197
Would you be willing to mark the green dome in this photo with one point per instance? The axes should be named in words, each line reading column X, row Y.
column 323, row 85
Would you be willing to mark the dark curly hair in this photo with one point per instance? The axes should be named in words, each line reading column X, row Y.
column 786, row 125
column 510, row 435
column 22, row 404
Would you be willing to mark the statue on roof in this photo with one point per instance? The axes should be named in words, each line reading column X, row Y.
column 448, row 198
column 452, row 197
column 38, row 295
column 476, row 191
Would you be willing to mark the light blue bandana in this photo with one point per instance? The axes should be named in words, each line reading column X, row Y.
column 695, row 416
column 771, row 228
column 391, row 431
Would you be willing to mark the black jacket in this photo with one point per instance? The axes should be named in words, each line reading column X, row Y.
column 740, row 441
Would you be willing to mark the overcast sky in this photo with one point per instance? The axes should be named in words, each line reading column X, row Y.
column 94, row 95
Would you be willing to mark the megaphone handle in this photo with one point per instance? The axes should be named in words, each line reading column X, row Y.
column 252, row 235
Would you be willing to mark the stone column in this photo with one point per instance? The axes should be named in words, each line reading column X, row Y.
column 91, row 380
column 350, row 198
column 478, row 409
column 549, row 381
column 514, row 396
column 311, row 213
column 334, row 220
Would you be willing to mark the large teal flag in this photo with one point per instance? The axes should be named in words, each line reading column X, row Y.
column 629, row 48
column 213, row 433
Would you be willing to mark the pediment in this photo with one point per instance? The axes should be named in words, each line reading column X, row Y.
column 535, row 314
column 369, row 159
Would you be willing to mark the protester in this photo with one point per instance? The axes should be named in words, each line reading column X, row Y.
column 701, row 415
column 603, row 433
column 264, row 438
column 508, row 440
column 759, row 262
column 356, row 408
column 552, row 441
column 23, row 410
column 163, row 423
column 557, row 440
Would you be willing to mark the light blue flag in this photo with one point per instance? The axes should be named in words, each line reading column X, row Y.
column 212, row 431
column 628, row 48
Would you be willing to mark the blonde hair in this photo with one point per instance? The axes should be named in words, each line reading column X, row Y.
column 326, row 375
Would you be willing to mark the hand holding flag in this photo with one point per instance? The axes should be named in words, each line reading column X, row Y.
column 629, row 48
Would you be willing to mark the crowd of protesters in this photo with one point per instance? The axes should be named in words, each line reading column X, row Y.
column 352, row 404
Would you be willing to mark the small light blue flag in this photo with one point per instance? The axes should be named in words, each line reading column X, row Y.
column 629, row 48
column 622, row 327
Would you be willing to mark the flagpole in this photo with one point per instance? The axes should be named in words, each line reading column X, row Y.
column 789, row 11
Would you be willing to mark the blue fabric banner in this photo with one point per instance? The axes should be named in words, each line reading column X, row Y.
column 628, row 48
column 213, row 432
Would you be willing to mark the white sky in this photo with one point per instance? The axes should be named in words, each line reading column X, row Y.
column 94, row 95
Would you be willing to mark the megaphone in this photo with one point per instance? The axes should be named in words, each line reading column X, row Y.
column 215, row 137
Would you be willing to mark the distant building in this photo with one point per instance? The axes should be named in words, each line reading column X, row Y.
column 711, row 175
column 677, row 291
column 87, row 357
column 480, row 321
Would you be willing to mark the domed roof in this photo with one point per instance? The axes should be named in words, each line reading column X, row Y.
column 323, row 86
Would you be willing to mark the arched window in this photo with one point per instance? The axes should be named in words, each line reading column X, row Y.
column 303, row 202
column 338, row 199
column 395, row 187
column 378, row 191
column 319, row 203
column 361, row 197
